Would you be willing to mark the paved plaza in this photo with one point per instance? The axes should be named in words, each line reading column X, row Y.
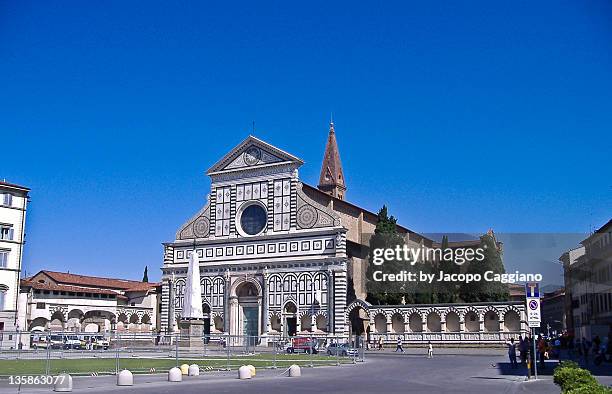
column 456, row 370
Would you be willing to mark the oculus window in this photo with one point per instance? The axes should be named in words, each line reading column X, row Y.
column 253, row 219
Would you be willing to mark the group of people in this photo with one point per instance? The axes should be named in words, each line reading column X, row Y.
column 525, row 347
column 561, row 346
column 400, row 346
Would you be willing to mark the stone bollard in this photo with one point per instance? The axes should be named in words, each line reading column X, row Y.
column 63, row 383
column 125, row 378
column 185, row 369
column 295, row 371
column 244, row 372
column 194, row 370
column 175, row 375
column 253, row 371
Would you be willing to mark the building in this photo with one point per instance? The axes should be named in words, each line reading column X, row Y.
column 280, row 257
column 60, row 301
column 13, row 205
column 588, row 285
column 553, row 312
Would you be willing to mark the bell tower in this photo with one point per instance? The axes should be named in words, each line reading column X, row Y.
column 331, row 180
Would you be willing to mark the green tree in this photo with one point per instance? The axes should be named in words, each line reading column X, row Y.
column 385, row 237
column 145, row 275
column 446, row 292
column 484, row 291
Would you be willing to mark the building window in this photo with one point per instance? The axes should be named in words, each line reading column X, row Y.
column 4, row 258
column 6, row 232
column 3, row 291
column 253, row 219
column 6, row 199
column 40, row 305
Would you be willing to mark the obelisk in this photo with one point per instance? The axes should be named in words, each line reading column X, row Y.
column 192, row 318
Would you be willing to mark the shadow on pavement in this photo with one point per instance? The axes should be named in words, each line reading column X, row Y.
column 605, row 369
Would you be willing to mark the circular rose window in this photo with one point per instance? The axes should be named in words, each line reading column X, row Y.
column 253, row 219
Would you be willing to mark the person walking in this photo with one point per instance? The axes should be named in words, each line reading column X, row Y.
column 380, row 343
column 586, row 346
column 429, row 350
column 399, row 347
column 541, row 351
column 523, row 346
column 512, row 353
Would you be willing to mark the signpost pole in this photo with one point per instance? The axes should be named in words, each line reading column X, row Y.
column 535, row 354
column 534, row 317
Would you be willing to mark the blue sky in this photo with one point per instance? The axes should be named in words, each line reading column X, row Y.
column 459, row 117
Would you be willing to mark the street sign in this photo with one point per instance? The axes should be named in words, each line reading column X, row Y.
column 532, row 290
column 534, row 317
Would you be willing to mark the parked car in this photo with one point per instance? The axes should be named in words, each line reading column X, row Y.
column 303, row 345
column 337, row 349
column 40, row 342
column 56, row 341
column 95, row 340
column 72, row 341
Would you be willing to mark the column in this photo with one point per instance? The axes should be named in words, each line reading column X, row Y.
column 226, row 305
column 266, row 299
column 232, row 322
column 443, row 326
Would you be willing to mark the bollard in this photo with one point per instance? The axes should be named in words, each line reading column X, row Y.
column 194, row 370
column 125, row 378
column 244, row 372
column 174, row 375
column 295, row 371
column 63, row 383
column 185, row 369
column 253, row 371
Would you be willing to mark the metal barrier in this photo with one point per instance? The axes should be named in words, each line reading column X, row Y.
column 51, row 353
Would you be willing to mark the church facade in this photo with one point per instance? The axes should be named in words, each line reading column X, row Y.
column 279, row 257
column 272, row 259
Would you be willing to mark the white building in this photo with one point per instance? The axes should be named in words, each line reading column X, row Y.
column 59, row 301
column 13, row 205
column 588, row 285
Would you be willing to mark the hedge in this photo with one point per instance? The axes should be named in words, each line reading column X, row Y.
column 574, row 380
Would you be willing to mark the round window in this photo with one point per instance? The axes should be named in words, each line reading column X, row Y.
column 253, row 219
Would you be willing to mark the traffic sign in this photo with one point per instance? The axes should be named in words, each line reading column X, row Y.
column 534, row 317
column 532, row 290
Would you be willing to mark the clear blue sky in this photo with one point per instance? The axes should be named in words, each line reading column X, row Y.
column 459, row 117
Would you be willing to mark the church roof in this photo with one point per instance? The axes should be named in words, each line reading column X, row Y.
column 64, row 278
column 331, row 170
column 250, row 153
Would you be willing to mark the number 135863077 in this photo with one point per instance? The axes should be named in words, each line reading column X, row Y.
column 35, row 379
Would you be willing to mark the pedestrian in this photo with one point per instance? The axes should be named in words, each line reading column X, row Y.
column 512, row 353
column 541, row 351
column 586, row 346
column 523, row 346
column 399, row 347
column 380, row 343
column 429, row 350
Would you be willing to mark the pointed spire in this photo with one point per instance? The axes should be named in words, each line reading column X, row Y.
column 331, row 180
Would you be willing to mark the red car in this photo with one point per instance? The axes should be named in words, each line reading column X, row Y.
column 303, row 345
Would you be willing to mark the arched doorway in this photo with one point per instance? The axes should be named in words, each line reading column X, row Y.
column 290, row 316
column 248, row 314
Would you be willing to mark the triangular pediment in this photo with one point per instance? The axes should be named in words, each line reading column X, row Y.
column 252, row 153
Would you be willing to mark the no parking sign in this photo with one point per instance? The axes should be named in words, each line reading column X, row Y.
column 532, row 292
